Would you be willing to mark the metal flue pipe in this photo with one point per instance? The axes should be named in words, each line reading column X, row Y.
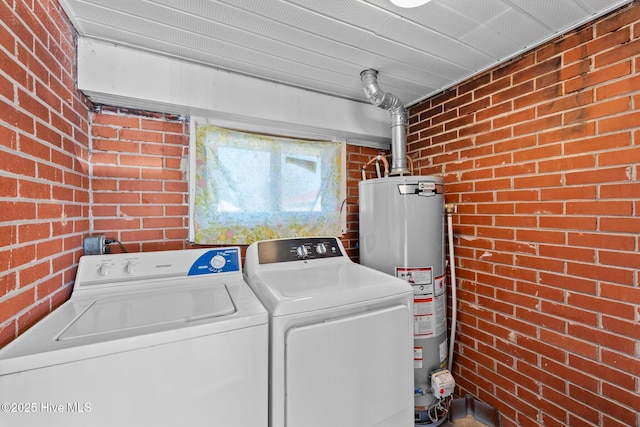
column 388, row 101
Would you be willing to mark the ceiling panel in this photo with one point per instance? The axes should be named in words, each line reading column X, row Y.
column 322, row 45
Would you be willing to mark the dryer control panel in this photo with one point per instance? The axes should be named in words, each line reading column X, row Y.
column 296, row 249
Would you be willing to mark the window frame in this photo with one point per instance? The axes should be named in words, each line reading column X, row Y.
column 196, row 122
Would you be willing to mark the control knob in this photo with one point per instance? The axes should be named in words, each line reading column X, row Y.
column 302, row 252
column 321, row 249
column 129, row 267
column 104, row 268
column 218, row 262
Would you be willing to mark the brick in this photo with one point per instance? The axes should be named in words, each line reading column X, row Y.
column 162, row 174
column 599, row 143
column 539, row 263
column 142, row 161
column 48, row 248
column 538, row 181
column 616, row 21
column 540, row 236
column 542, row 348
column 615, row 55
column 569, row 253
column 115, row 146
column 568, row 193
column 165, row 150
column 120, row 121
column 141, row 211
column 620, row 259
column 598, row 370
column 15, row 304
column 518, row 196
column 116, row 224
column 618, row 123
column 601, row 240
column 569, row 222
column 18, row 165
column 535, row 126
column 596, row 400
column 595, row 272
column 110, row 198
column 116, row 171
column 609, row 208
column 142, row 136
column 141, row 235
column 34, row 190
column 14, row 211
column 543, row 152
column 162, row 126
column 104, row 132
column 618, row 87
column 567, row 133
column 598, row 110
column 597, row 176
column 570, row 344
column 8, row 187
column 616, row 292
column 566, row 103
column 619, row 157
column 620, row 225
column 34, row 231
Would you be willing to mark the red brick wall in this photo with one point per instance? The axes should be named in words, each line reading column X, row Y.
column 540, row 155
column 43, row 163
column 542, row 158
column 139, row 180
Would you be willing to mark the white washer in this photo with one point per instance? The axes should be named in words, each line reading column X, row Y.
column 147, row 339
column 341, row 336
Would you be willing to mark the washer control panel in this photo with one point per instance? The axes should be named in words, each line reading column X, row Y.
column 297, row 249
column 113, row 268
column 217, row 261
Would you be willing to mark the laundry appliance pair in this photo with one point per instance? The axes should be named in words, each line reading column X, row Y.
column 307, row 338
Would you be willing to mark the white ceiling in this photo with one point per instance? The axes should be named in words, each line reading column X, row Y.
column 323, row 45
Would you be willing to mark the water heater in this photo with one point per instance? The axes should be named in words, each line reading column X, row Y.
column 402, row 234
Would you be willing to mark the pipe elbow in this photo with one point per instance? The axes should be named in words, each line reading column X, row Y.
column 376, row 95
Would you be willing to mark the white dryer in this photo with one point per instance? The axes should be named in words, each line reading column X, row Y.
column 146, row 339
column 340, row 333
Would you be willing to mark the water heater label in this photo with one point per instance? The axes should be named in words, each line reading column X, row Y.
column 423, row 317
column 416, row 276
column 417, row 357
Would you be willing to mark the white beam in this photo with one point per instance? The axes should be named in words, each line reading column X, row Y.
column 125, row 77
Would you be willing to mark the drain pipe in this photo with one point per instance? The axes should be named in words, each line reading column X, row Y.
column 450, row 210
column 390, row 102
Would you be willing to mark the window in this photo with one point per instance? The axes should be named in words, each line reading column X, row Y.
column 252, row 187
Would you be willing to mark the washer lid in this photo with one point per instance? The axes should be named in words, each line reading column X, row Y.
column 120, row 315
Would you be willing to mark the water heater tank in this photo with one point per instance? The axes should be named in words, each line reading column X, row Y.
column 402, row 234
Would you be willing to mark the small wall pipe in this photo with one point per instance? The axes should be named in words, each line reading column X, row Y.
column 378, row 158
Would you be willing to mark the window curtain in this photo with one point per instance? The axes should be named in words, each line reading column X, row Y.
column 251, row 187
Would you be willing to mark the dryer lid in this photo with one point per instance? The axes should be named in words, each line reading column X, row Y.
column 120, row 315
column 298, row 290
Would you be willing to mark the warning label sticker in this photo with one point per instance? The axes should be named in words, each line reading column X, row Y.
column 415, row 275
column 423, row 317
column 417, row 357
column 429, row 305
